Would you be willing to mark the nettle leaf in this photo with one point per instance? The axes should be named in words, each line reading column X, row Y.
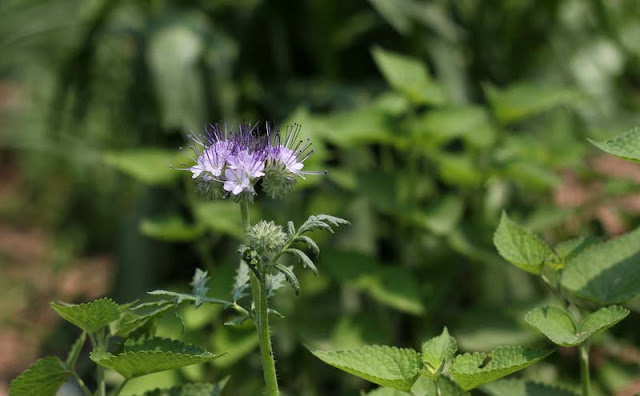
column 520, row 247
column 556, row 324
column 518, row 387
column 606, row 272
column 241, row 281
column 625, row 146
column 437, row 351
column 151, row 356
column 602, row 319
column 471, row 370
column 408, row 76
column 134, row 318
column 426, row 386
column 91, row 316
column 396, row 368
column 569, row 249
column 75, row 350
column 43, row 378
column 191, row 390
column 150, row 166
column 172, row 228
column 289, row 276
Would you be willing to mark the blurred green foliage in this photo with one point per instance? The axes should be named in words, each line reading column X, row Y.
column 430, row 116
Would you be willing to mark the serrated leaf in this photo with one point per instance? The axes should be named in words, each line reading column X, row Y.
column 471, row 370
column 75, row 350
column 241, row 281
column 303, row 258
column 311, row 244
column 602, row 319
column 521, row 101
column 556, row 324
column 396, row 368
column 151, row 356
column 42, row 378
column 170, row 228
column 426, row 386
column 408, row 76
column 150, row 166
column 606, row 272
column 91, row 316
column 288, row 274
column 625, row 146
column 136, row 317
column 520, row 247
column 518, row 387
column 437, row 351
column 274, row 282
column 181, row 297
column 321, row 222
column 198, row 284
column 191, row 390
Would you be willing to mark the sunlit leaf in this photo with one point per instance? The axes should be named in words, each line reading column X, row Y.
column 626, row 146
column 91, row 316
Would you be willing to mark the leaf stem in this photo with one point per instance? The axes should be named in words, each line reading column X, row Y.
column 97, row 346
column 585, row 377
column 120, row 387
column 259, row 295
column 81, row 383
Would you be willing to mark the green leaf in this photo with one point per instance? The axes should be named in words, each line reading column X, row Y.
column 75, row 350
column 181, row 297
column 311, row 244
column 606, row 272
column 91, row 316
column 222, row 217
column 520, row 247
column 556, row 324
column 569, row 249
column 303, row 258
column 602, row 319
column 43, row 378
column 393, row 13
column 396, row 368
column 198, row 284
column 236, row 341
column 440, row 126
column 625, row 146
column 437, row 351
column 321, row 222
column 408, row 76
column 289, row 276
column 170, row 228
column 522, row 101
column 191, row 390
column 518, row 387
column 151, row 356
column 136, row 317
column 396, row 287
column 425, row 386
column 241, row 281
column 150, row 166
column 474, row 369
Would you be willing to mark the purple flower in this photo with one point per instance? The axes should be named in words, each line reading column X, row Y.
column 235, row 160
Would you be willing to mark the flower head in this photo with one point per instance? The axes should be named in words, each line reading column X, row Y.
column 233, row 161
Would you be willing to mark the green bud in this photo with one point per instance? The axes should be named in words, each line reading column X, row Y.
column 266, row 236
column 277, row 180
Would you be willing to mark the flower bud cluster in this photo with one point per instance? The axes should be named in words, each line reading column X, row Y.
column 266, row 236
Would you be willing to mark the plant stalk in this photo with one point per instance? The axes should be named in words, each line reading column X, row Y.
column 585, row 377
column 259, row 295
column 96, row 343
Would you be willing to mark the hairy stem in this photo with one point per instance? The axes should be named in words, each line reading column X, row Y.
column 259, row 295
column 584, row 368
column 96, row 343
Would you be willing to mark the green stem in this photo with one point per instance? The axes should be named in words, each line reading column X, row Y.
column 97, row 346
column 259, row 295
column 120, row 387
column 584, row 368
column 81, row 383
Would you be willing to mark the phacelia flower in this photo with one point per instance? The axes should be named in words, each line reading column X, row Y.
column 233, row 161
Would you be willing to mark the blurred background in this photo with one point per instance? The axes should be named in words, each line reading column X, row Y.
column 430, row 116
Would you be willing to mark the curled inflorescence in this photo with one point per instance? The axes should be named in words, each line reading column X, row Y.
column 233, row 161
